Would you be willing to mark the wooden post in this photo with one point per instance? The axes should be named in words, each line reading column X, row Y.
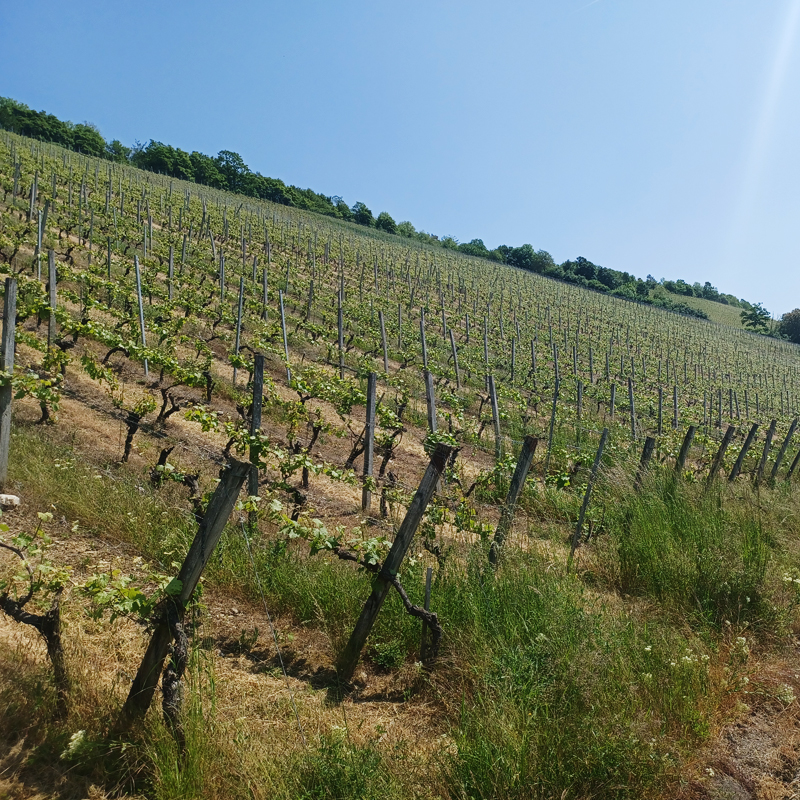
column 348, row 660
column 430, row 401
column 765, row 454
column 685, row 447
column 206, row 539
column 793, row 467
column 369, row 442
column 782, row 452
column 340, row 323
column 285, row 339
column 239, row 323
column 726, row 440
column 660, row 410
column 595, row 467
column 51, row 279
column 7, row 365
column 423, row 645
column 422, row 339
column 141, row 306
column 383, row 342
column 737, row 467
column 455, row 359
column 171, row 272
column 647, row 454
column 498, row 442
column 552, row 429
column 264, row 311
column 675, row 406
column 255, row 421
column 632, row 405
column 515, row 489
column 613, row 399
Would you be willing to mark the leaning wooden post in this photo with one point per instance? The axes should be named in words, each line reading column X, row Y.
column 455, row 359
column 782, row 452
column 647, row 454
column 346, row 663
column 369, row 442
column 576, row 537
column 51, row 279
column 208, row 534
column 737, row 467
column 141, row 306
column 765, row 454
column 793, row 467
column 515, row 489
column 498, row 442
column 685, row 447
column 7, row 366
column 717, row 463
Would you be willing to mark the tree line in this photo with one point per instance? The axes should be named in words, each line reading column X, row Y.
column 228, row 171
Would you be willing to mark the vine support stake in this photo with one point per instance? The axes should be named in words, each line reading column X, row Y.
column 141, row 307
column 208, row 535
column 647, row 454
column 7, row 365
column 369, row 442
column 685, row 447
column 498, row 441
column 782, row 452
column 285, row 340
column 348, row 660
column 51, row 279
column 514, row 490
column 255, row 421
column 383, row 342
column 576, row 537
column 455, row 359
column 737, row 467
column 765, row 454
column 239, row 325
column 717, row 463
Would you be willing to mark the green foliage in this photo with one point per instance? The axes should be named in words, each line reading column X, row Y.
column 691, row 554
column 757, row 318
column 340, row 770
column 790, row 325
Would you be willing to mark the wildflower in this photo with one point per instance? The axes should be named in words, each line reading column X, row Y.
column 648, row 648
column 76, row 743
column 785, row 694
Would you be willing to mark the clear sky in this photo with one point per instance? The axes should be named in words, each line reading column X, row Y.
column 653, row 136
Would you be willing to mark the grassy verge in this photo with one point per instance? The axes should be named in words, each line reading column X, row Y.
column 552, row 683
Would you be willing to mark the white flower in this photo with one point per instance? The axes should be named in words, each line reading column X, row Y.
column 76, row 742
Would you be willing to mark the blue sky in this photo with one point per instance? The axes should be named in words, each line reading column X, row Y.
column 653, row 136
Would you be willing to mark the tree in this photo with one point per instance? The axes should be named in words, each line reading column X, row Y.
column 232, row 166
column 385, row 222
column 116, row 151
column 406, row 229
column 756, row 318
column 790, row 325
column 362, row 215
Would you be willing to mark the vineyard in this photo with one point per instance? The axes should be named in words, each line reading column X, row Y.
column 309, row 510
